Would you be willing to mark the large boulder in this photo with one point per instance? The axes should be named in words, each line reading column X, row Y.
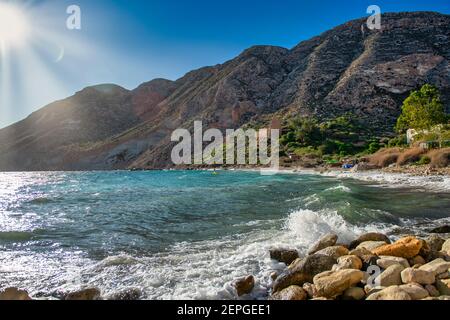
column 244, row 285
column 84, row 294
column 335, row 252
column 328, row 240
column 407, row 248
column 14, row 294
column 303, row 271
column 290, row 293
column 418, row 276
column 331, row 284
column 387, row 261
column 391, row 276
column 286, row 256
column 373, row 236
column 371, row 245
column 443, row 287
column 390, row 293
column 415, row 291
column 437, row 266
column 348, row 262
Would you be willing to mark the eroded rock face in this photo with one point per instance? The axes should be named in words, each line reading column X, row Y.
column 244, row 285
column 326, row 241
column 330, row 284
column 303, row 271
column 407, row 247
column 14, row 294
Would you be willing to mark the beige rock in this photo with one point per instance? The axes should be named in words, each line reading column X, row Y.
column 417, row 260
column 244, row 285
column 391, row 276
column 348, row 262
column 373, row 236
column 443, row 287
column 335, row 252
column 360, row 252
column 419, row 276
column 435, row 242
column 446, row 247
column 328, row 240
column 437, row 266
column 290, row 293
column 387, row 261
column 407, row 248
column 390, row 293
column 310, row 290
column 14, row 294
column 331, row 284
column 84, row 294
column 432, row 290
column 415, row 291
column 371, row 245
column 354, row 293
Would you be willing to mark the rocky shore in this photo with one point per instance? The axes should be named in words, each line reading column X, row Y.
column 371, row 267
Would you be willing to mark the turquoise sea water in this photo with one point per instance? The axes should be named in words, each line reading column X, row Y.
column 184, row 234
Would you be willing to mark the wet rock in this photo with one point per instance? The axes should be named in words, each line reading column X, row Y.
column 387, row 261
column 286, row 256
column 391, row 276
column 303, row 271
column 348, row 262
column 390, row 293
column 435, row 242
column 129, row 294
column 441, row 229
column 373, row 236
column 14, row 294
column 335, row 252
column 418, row 276
column 443, row 287
column 415, row 291
column 436, row 267
column 331, row 284
column 371, row 245
column 290, row 293
column 274, row 275
column 354, row 293
column 326, row 241
column 407, row 248
column 244, row 285
column 432, row 290
column 84, row 294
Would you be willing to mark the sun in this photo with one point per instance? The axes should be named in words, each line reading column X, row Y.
column 13, row 25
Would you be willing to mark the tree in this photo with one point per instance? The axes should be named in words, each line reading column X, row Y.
column 421, row 110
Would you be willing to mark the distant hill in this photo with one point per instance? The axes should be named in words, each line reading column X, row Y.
column 347, row 69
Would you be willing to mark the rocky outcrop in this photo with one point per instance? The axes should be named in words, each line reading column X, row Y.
column 331, row 284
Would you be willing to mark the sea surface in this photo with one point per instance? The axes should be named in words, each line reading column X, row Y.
column 186, row 234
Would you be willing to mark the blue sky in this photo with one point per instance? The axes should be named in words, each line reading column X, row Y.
column 131, row 41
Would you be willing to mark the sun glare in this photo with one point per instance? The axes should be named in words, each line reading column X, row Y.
column 13, row 25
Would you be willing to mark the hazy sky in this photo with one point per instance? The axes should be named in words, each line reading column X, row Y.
column 128, row 42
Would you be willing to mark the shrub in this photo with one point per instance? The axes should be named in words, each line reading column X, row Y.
column 385, row 157
column 410, row 156
column 440, row 158
column 424, row 160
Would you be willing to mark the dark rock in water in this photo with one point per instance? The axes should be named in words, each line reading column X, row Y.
column 12, row 294
column 303, row 271
column 126, row 295
column 84, row 294
column 435, row 242
column 441, row 229
column 244, row 285
column 286, row 256
column 373, row 236
column 328, row 240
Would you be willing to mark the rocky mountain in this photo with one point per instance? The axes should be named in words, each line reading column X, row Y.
column 347, row 69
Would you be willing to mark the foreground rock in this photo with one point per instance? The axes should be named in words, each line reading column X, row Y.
column 84, row 294
column 435, row 242
column 290, row 293
column 331, row 284
column 244, row 285
column 407, row 248
column 387, row 261
column 377, row 237
column 446, row 247
column 415, row 291
column 418, row 276
column 390, row 293
column 391, row 276
column 371, row 245
column 436, row 267
column 354, row 293
column 443, row 287
column 328, row 240
column 14, row 294
column 348, row 262
column 286, row 256
column 302, row 271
